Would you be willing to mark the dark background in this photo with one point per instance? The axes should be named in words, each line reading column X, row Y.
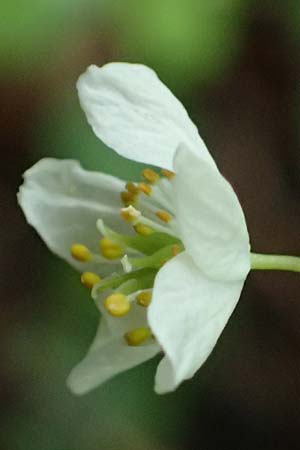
column 235, row 65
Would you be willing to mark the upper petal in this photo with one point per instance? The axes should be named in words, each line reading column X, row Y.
column 187, row 314
column 210, row 218
column 62, row 202
column 134, row 113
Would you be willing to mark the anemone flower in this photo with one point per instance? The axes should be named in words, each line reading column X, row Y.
column 165, row 258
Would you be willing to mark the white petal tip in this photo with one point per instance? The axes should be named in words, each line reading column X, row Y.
column 74, row 386
column 163, row 390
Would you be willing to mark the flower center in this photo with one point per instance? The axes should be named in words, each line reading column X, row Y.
column 134, row 258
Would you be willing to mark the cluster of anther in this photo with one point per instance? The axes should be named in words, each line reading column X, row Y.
column 147, row 207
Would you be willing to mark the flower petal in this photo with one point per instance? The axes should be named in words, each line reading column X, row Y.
column 211, row 221
column 108, row 356
column 187, row 314
column 62, row 202
column 134, row 113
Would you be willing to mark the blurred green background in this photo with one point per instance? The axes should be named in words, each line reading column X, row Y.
column 235, row 65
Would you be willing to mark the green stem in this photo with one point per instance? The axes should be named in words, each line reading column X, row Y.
column 113, row 282
column 275, row 262
column 156, row 259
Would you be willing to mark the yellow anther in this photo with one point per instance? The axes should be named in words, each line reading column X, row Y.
column 167, row 173
column 117, row 305
column 137, row 337
column 128, row 198
column 89, row 279
column 164, row 216
column 143, row 230
column 175, row 249
column 150, row 175
column 130, row 214
column 80, row 252
column 131, row 187
column 110, row 249
column 126, row 216
column 145, row 188
column 144, row 298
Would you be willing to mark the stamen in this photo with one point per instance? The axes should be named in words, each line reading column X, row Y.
column 89, row 279
column 142, row 229
column 137, row 337
column 131, row 187
column 167, row 173
column 166, row 190
column 145, row 188
column 176, row 249
column 80, row 252
column 156, row 226
column 110, row 249
column 150, row 175
column 144, row 298
column 136, row 244
column 164, row 216
column 128, row 198
column 156, row 199
column 117, row 305
column 130, row 214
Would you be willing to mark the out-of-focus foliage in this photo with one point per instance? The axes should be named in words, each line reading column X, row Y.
column 194, row 40
column 32, row 32
column 292, row 13
column 191, row 39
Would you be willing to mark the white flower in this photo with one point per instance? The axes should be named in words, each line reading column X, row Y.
column 189, row 248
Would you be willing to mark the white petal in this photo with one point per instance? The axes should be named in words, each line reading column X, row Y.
column 134, row 113
column 210, row 219
column 63, row 202
column 99, row 366
column 108, row 356
column 187, row 314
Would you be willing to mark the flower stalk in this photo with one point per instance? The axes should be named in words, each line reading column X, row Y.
column 275, row 262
